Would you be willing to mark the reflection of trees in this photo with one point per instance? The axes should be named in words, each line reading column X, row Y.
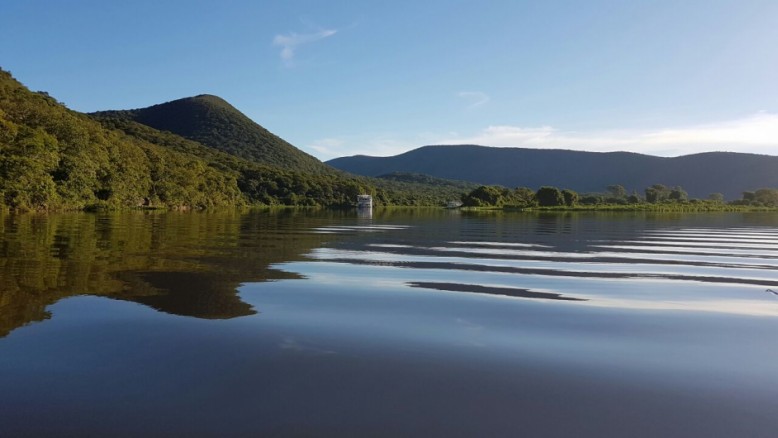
column 181, row 263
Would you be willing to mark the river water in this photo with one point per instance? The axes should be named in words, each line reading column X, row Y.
column 391, row 323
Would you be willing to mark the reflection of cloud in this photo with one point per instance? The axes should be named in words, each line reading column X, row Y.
column 469, row 325
column 289, row 343
column 727, row 306
column 757, row 133
column 476, row 98
column 473, row 332
column 289, row 43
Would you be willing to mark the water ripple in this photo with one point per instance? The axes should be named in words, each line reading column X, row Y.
column 738, row 263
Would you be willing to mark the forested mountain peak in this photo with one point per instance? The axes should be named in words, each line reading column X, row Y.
column 214, row 122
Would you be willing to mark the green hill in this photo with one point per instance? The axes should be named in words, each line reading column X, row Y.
column 211, row 121
column 54, row 158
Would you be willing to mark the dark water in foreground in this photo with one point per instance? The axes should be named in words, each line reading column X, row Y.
column 423, row 323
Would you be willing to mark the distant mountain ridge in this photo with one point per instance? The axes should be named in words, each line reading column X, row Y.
column 212, row 121
column 728, row 173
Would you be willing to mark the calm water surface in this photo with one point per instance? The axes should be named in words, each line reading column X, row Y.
column 399, row 323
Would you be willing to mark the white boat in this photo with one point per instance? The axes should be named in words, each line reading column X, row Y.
column 364, row 201
column 453, row 204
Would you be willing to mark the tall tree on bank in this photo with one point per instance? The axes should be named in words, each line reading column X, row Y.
column 549, row 197
column 657, row 193
column 570, row 197
column 617, row 191
column 678, row 194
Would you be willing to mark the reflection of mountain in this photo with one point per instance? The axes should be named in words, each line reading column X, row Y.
column 186, row 264
column 198, row 294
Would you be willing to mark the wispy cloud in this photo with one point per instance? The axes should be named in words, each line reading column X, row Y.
column 474, row 98
column 290, row 42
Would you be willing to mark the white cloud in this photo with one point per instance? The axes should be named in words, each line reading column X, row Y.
column 328, row 148
column 384, row 147
column 475, row 98
column 759, row 130
column 290, row 42
column 757, row 133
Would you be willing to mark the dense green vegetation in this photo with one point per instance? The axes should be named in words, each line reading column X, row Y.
column 657, row 197
column 760, row 198
column 54, row 158
column 257, row 183
column 497, row 196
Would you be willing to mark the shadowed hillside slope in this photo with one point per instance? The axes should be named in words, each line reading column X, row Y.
column 212, row 121
column 700, row 174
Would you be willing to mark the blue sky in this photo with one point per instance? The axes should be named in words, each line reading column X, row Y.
column 378, row 78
